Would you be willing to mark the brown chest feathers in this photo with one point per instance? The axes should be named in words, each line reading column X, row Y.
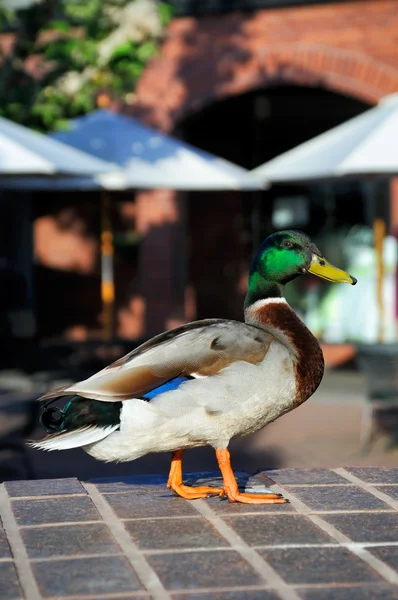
column 285, row 325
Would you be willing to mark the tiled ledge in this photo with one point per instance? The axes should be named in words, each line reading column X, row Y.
column 133, row 539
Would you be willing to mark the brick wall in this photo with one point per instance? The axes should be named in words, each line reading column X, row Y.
column 350, row 48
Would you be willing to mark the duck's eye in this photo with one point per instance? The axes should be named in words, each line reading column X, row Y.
column 287, row 244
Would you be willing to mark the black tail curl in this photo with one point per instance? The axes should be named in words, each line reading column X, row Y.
column 52, row 419
column 79, row 412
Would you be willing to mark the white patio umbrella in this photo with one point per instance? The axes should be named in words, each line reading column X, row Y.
column 363, row 147
column 150, row 159
column 24, row 152
column 143, row 159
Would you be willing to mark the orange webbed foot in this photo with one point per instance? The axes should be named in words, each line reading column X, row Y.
column 193, row 493
column 230, row 487
column 190, row 493
column 234, row 496
column 231, row 490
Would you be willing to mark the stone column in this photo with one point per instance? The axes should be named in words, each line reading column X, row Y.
column 162, row 257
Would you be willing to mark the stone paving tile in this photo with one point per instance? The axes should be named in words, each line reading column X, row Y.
column 203, row 570
column 139, row 505
column 98, row 575
column 337, row 498
column 391, row 490
column 161, row 534
column 301, row 566
column 9, row 585
column 227, row 595
column 374, row 475
column 304, row 476
column 44, row 487
column 4, row 546
column 369, row 592
column 130, row 484
column 366, row 527
column 68, row 540
column 289, row 529
column 388, row 554
column 54, row 510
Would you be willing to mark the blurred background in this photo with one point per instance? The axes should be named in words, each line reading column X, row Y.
column 89, row 269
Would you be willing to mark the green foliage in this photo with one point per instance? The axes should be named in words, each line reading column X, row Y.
column 67, row 52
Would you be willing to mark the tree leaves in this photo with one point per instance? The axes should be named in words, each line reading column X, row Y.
column 57, row 65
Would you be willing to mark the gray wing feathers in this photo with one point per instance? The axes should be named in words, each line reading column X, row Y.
column 203, row 348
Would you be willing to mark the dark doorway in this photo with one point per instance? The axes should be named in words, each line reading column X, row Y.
column 255, row 127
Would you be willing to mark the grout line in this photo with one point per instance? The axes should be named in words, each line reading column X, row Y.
column 161, row 493
column 368, row 585
column 48, row 497
column 259, row 565
column 104, row 596
column 21, row 560
column 348, row 545
column 281, row 514
column 101, row 522
column 311, row 485
column 317, row 485
column 152, row 552
column 166, row 518
column 61, row 524
column 355, row 511
column 221, row 590
column 58, row 557
column 251, row 513
column 375, row 483
column 368, row 487
column 182, row 550
column 146, row 574
column 385, row 571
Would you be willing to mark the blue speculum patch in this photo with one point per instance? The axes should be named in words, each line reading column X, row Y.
column 173, row 384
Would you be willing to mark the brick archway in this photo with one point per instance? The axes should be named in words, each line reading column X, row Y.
column 335, row 70
column 338, row 70
column 349, row 48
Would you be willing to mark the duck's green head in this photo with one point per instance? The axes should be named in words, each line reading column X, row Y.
column 282, row 257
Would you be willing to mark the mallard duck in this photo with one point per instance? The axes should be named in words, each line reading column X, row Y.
column 203, row 383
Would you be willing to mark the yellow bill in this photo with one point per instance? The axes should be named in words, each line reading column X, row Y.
column 322, row 268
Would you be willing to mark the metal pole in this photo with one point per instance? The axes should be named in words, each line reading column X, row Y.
column 107, row 278
column 373, row 210
column 379, row 231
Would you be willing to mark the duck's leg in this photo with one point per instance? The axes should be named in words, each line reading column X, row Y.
column 231, row 487
column 175, row 481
